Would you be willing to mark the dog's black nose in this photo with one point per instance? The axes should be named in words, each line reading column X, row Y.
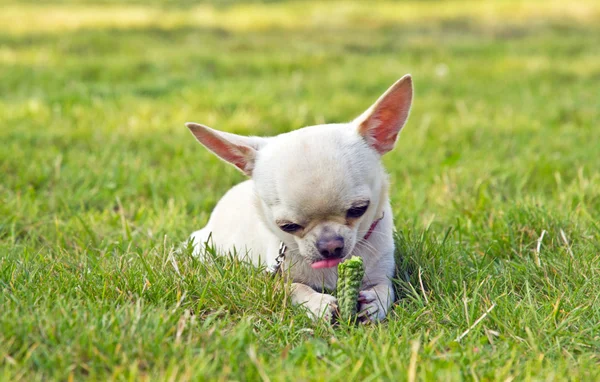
column 331, row 247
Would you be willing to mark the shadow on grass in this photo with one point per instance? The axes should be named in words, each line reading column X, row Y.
column 417, row 254
column 114, row 59
column 104, row 39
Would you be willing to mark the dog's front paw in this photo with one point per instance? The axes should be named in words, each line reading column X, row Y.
column 322, row 306
column 371, row 308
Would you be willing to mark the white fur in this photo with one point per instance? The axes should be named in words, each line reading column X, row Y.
column 311, row 177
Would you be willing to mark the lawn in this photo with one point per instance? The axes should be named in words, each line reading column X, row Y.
column 495, row 187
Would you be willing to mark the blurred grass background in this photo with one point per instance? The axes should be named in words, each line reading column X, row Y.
column 100, row 179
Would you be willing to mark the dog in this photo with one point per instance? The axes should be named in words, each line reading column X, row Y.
column 316, row 196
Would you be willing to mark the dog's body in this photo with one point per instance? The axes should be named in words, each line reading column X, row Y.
column 321, row 191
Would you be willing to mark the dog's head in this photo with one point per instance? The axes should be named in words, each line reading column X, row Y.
column 320, row 188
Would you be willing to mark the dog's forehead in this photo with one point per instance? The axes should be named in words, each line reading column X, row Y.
column 336, row 145
column 319, row 167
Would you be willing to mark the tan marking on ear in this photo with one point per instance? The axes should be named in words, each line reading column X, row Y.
column 240, row 156
column 382, row 122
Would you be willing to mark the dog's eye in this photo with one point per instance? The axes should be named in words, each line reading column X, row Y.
column 356, row 212
column 290, row 227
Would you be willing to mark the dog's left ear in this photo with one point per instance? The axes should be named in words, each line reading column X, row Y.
column 382, row 122
column 238, row 150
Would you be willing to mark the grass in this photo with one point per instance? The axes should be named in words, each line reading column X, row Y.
column 495, row 187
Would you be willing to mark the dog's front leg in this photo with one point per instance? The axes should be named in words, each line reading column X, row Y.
column 319, row 305
column 376, row 301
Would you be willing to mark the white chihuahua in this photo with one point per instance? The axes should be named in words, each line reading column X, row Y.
column 316, row 196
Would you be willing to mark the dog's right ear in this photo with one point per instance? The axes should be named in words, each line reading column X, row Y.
column 382, row 122
column 236, row 149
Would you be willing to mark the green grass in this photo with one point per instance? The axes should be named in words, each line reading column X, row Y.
column 100, row 181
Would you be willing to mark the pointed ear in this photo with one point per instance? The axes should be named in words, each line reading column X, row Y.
column 236, row 149
column 382, row 122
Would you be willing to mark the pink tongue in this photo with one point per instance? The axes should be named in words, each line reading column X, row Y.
column 326, row 263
